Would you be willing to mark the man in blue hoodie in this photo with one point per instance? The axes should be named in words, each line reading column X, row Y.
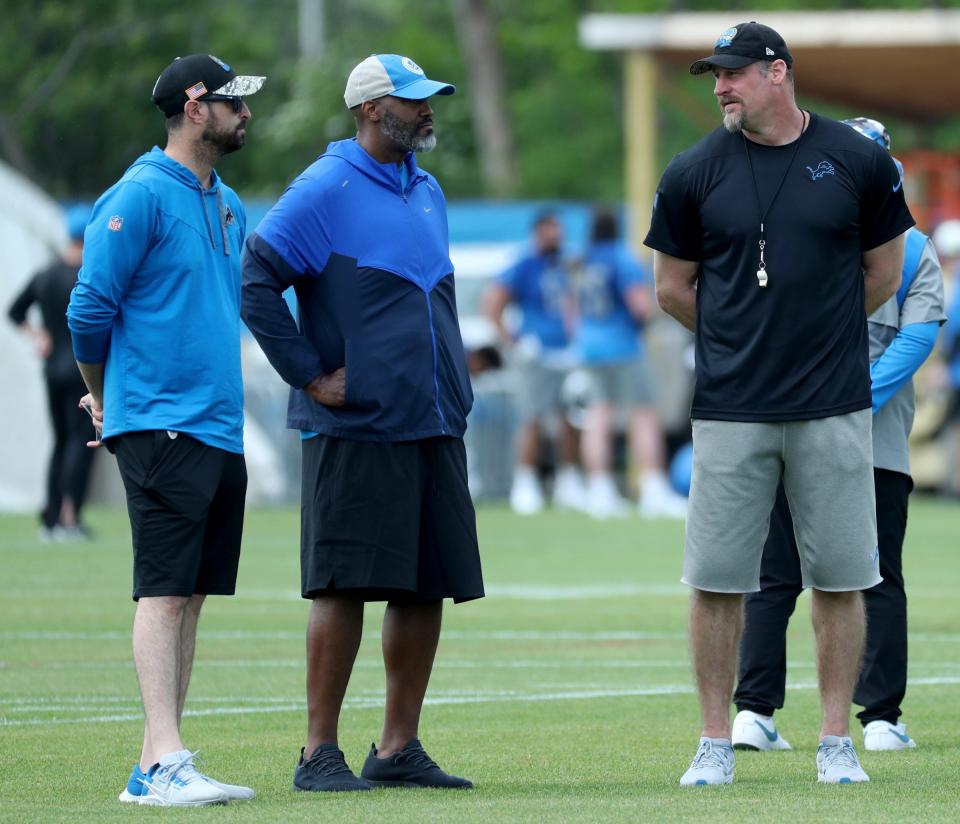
column 155, row 321
column 380, row 394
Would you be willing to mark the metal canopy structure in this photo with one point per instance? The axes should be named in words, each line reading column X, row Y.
column 897, row 63
column 889, row 62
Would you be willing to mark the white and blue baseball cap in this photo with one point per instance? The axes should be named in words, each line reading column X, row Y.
column 393, row 74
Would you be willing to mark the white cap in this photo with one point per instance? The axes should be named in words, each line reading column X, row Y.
column 390, row 74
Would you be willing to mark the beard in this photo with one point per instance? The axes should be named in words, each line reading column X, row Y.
column 406, row 137
column 734, row 121
column 222, row 141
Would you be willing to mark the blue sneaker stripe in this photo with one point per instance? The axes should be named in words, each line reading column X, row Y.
column 771, row 736
column 136, row 786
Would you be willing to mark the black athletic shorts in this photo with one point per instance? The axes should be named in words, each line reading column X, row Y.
column 185, row 500
column 388, row 521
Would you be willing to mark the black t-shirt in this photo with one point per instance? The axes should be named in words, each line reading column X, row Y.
column 796, row 349
column 50, row 290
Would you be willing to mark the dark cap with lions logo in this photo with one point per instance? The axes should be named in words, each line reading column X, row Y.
column 742, row 45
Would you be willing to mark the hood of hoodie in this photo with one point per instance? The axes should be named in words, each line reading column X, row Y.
column 386, row 174
column 157, row 159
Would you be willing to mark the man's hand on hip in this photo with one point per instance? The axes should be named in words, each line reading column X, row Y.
column 329, row 390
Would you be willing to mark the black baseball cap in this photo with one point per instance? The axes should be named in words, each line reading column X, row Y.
column 200, row 77
column 742, row 45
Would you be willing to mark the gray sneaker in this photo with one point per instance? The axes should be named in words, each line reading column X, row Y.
column 837, row 761
column 326, row 771
column 713, row 764
column 410, row 767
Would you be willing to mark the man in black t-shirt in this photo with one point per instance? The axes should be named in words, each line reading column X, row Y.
column 68, row 470
column 774, row 237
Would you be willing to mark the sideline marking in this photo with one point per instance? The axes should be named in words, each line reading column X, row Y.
column 460, row 635
column 453, row 698
column 522, row 592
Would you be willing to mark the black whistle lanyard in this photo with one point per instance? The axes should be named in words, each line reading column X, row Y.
column 762, row 267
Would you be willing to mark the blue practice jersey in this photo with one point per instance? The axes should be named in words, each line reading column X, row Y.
column 607, row 331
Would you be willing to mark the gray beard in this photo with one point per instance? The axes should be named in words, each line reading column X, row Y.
column 733, row 122
column 406, row 136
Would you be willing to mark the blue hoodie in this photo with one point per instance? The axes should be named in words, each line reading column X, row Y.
column 158, row 301
column 368, row 258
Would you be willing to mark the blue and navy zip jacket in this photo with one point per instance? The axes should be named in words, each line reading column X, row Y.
column 157, row 301
column 369, row 260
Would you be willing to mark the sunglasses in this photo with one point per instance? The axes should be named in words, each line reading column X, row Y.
column 236, row 102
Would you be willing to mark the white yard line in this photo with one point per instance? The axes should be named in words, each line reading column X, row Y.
column 286, row 635
column 284, row 704
column 459, row 635
column 521, row 592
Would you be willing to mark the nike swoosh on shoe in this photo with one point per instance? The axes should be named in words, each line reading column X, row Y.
column 771, row 736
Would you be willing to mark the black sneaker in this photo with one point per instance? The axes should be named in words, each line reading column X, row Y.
column 411, row 767
column 326, row 771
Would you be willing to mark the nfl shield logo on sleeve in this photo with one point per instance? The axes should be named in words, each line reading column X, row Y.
column 115, row 224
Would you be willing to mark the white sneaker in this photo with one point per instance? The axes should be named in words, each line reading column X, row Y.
column 526, row 497
column 604, row 499
column 234, row 792
column 658, row 500
column 882, row 735
column 752, row 731
column 177, row 783
column 713, row 764
column 837, row 761
column 568, row 489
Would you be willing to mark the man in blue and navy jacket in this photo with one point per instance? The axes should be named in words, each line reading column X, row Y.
column 380, row 394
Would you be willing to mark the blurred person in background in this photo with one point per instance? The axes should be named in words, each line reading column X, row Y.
column 614, row 299
column 155, row 320
column 539, row 285
column 482, row 359
column 903, row 332
column 68, row 471
column 946, row 237
column 775, row 237
column 380, row 394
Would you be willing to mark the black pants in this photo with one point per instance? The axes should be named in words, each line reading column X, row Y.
column 763, row 647
column 68, row 472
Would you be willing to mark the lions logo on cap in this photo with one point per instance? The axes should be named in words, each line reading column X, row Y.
column 410, row 66
column 726, row 38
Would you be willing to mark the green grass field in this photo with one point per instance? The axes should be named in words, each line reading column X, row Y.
column 565, row 694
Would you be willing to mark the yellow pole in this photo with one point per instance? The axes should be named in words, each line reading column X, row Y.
column 640, row 143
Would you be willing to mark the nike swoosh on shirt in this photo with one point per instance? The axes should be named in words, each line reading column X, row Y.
column 771, row 736
column 897, row 187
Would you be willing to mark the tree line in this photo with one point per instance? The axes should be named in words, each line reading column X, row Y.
column 536, row 115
